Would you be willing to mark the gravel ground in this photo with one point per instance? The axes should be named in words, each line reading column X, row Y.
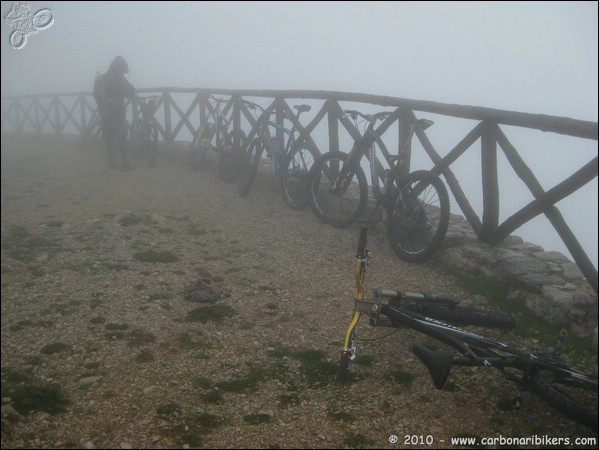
column 128, row 353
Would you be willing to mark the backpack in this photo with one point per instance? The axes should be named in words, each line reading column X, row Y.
column 100, row 90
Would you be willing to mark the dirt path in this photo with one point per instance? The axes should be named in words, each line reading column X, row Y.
column 112, row 351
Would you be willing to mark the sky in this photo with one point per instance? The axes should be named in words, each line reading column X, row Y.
column 534, row 57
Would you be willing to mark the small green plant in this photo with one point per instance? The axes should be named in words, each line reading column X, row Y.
column 358, row 440
column 116, row 326
column 286, row 400
column 158, row 256
column 140, row 337
column 144, row 356
column 212, row 313
column 169, row 410
column 257, row 419
column 54, row 223
column 214, row 396
column 129, row 220
column 402, row 377
column 342, row 416
column 55, row 347
column 28, row 398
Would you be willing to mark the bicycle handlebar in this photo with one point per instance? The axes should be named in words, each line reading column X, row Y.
column 421, row 296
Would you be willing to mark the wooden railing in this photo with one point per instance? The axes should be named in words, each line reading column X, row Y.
column 74, row 113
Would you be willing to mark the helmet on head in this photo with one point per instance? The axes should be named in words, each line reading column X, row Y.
column 119, row 65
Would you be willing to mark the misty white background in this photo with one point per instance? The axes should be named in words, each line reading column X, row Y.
column 534, row 57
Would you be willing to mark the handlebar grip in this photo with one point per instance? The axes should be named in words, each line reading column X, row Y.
column 363, row 240
column 386, row 293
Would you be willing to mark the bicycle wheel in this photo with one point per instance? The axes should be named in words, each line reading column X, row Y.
column 136, row 141
column 418, row 220
column 295, row 181
column 249, row 167
column 574, row 396
column 200, row 145
column 462, row 315
column 152, row 147
column 337, row 200
column 231, row 155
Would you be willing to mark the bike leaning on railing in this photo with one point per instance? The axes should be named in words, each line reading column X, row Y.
column 291, row 160
column 217, row 133
column 144, row 131
column 416, row 205
column 542, row 373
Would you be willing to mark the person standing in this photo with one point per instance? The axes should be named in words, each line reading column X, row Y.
column 110, row 90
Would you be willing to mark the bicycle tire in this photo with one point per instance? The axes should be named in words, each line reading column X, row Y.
column 295, row 183
column 417, row 224
column 462, row 315
column 231, row 155
column 249, row 167
column 572, row 398
column 136, row 141
column 338, row 206
column 152, row 146
column 199, row 146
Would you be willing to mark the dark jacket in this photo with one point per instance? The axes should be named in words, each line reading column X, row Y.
column 117, row 87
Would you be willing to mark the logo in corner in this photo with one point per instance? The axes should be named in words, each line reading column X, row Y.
column 25, row 22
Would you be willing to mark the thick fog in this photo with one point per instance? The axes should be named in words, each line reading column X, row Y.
column 534, row 57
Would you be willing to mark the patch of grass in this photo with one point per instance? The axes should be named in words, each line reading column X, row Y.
column 257, row 419
column 116, row 326
column 55, row 347
column 21, row 325
column 144, row 356
column 400, row 376
column 187, row 341
column 98, row 320
column 28, row 398
column 212, row 313
column 358, row 440
column 528, row 324
column 159, row 296
column 208, row 421
column 159, row 256
column 169, row 410
column 342, row 416
column 129, row 220
column 286, row 400
column 36, row 271
column 196, row 231
column 315, row 370
column 139, row 337
column 214, row 396
column 54, row 223
column 118, row 267
column 364, row 361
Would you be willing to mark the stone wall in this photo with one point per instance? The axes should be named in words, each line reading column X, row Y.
column 547, row 282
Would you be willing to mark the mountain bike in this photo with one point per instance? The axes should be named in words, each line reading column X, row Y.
column 416, row 204
column 218, row 134
column 291, row 162
column 541, row 372
column 144, row 132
